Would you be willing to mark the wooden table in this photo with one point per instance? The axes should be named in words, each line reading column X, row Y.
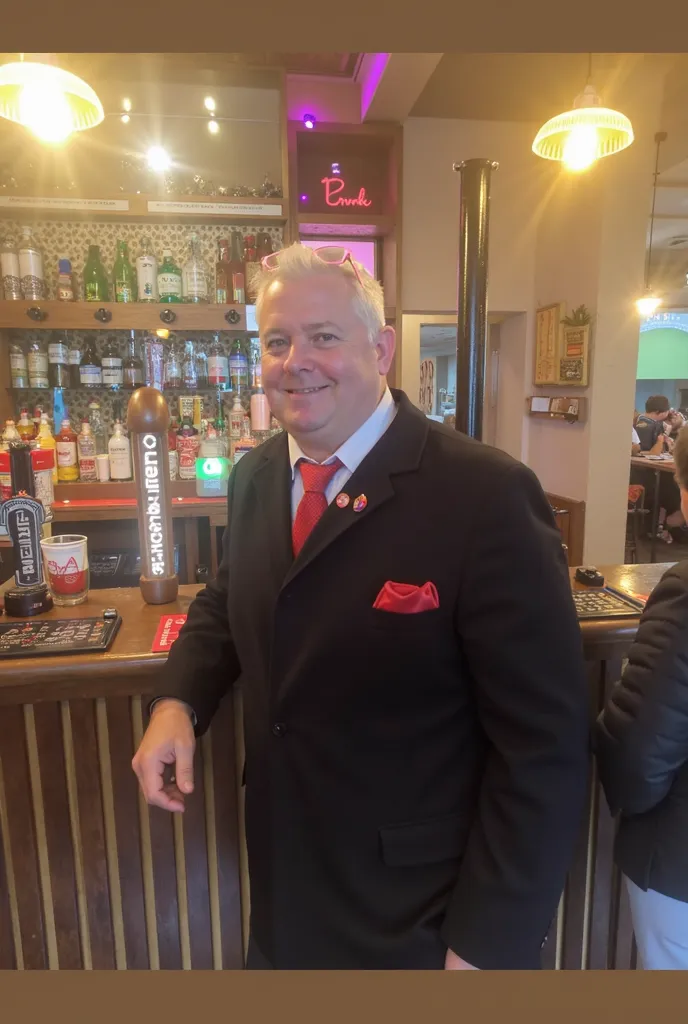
column 655, row 466
column 91, row 877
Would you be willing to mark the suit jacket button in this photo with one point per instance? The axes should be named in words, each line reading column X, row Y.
column 279, row 729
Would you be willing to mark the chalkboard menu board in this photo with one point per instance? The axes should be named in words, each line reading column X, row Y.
column 57, row 636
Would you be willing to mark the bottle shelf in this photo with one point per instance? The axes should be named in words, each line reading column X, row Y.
column 209, row 389
column 51, row 315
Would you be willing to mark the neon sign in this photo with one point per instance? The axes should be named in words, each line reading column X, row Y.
column 333, row 186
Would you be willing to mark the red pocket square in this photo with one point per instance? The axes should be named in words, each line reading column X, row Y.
column 406, row 598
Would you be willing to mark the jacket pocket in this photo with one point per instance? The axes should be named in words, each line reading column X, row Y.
column 424, row 842
column 400, row 622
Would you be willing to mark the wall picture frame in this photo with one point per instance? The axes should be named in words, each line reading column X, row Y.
column 547, row 344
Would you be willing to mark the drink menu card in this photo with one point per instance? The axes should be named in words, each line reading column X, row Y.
column 168, row 631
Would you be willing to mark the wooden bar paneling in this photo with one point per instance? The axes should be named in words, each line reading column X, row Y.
column 196, row 860
column 92, row 834
column 22, row 837
column 8, row 958
column 48, row 725
column 129, row 316
column 571, row 525
column 165, row 878
column 125, row 790
column 227, row 833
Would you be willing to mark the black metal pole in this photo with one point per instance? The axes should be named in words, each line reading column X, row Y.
column 471, row 339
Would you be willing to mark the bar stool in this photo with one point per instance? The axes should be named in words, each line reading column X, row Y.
column 636, row 512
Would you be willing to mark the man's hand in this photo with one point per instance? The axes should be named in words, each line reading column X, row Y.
column 452, row 962
column 169, row 739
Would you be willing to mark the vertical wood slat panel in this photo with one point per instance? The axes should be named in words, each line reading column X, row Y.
column 22, row 837
column 48, row 725
column 196, row 860
column 165, row 884
column 8, row 958
column 227, row 834
column 92, row 827
column 128, row 833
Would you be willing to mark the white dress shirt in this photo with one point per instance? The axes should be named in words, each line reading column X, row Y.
column 351, row 454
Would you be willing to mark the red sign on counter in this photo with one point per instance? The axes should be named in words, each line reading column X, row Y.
column 168, row 631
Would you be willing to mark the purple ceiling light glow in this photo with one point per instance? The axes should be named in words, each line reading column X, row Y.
column 304, row 198
column 309, row 120
column 376, row 69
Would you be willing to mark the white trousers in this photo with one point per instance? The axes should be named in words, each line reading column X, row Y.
column 660, row 924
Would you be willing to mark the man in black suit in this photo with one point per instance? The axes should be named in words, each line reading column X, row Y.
column 395, row 599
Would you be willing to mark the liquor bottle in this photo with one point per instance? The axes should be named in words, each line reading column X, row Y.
column 90, row 372
column 201, row 366
column 124, row 278
column 260, row 412
column 222, row 274
column 58, row 362
column 86, row 450
column 75, row 363
column 19, row 368
column 252, row 267
column 9, row 267
column 95, row 421
column 147, row 272
column 153, row 362
column 189, row 375
column 237, row 269
column 169, row 279
column 236, row 419
column 264, row 246
column 221, row 429
column 238, row 366
column 10, row 432
column 172, row 447
column 255, row 364
column 31, row 267
column 25, row 426
column 194, row 279
column 188, row 443
column 96, row 287
column 173, row 368
column 38, row 365
column 67, row 458
column 218, row 366
column 46, row 440
column 119, row 451
column 66, row 289
column 132, row 367
column 111, row 362
column 37, row 415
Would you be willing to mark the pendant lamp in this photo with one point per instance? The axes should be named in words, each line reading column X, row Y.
column 588, row 132
column 50, row 102
column 650, row 302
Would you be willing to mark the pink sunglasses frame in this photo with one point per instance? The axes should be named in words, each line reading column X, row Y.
column 346, row 258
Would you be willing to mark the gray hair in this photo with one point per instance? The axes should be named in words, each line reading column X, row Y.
column 298, row 260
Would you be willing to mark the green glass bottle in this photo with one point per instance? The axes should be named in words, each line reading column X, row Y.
column 169, row 279
column 95, row 279
column 124, row 277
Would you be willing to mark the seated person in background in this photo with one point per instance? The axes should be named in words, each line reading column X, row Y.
column 654, row 440
column 635, row 442
column 650, row 426
column 673, row 425
column 641, row 744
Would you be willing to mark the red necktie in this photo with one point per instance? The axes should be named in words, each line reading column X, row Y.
column 316, row 480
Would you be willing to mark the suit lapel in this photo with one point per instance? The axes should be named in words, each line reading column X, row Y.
column 399, row 450
column 272, row 482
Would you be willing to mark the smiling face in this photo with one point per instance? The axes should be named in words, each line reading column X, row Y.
column 322, row 375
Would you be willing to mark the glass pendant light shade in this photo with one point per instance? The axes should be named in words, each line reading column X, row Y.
column 50, row 102
column 588, row 132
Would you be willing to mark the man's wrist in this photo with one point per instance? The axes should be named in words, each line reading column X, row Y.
column 159, row 703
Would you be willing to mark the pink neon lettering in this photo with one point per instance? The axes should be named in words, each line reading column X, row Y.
column 333, row 186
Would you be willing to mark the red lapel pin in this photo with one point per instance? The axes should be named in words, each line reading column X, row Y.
column 343, row 500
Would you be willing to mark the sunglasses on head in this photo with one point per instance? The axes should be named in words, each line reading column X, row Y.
column 331, row 255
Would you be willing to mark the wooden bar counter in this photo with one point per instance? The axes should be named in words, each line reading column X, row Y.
column 90, row 877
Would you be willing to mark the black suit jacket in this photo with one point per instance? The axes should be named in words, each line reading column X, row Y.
column 412, row 781
column 642, row 744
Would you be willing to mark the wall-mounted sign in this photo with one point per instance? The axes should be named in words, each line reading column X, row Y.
column 216, row 209
column 53, row 203
column 334, row 187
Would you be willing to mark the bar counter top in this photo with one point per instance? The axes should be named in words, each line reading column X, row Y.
column 130, row 662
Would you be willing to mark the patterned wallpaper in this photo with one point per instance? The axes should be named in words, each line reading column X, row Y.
column 71, row 239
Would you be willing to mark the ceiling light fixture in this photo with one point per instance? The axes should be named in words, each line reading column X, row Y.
column 585, row 134
column 125, row 119
column 209, row 104
column 309, row 120
column 158, row 159
column 126, row 105
column 213, row 127
column 650, row 302
column 49, row 102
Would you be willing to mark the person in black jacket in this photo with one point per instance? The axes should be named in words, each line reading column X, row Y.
column 396, row 601
column 642, row 751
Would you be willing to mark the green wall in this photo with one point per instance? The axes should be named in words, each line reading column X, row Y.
column 663, row 354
